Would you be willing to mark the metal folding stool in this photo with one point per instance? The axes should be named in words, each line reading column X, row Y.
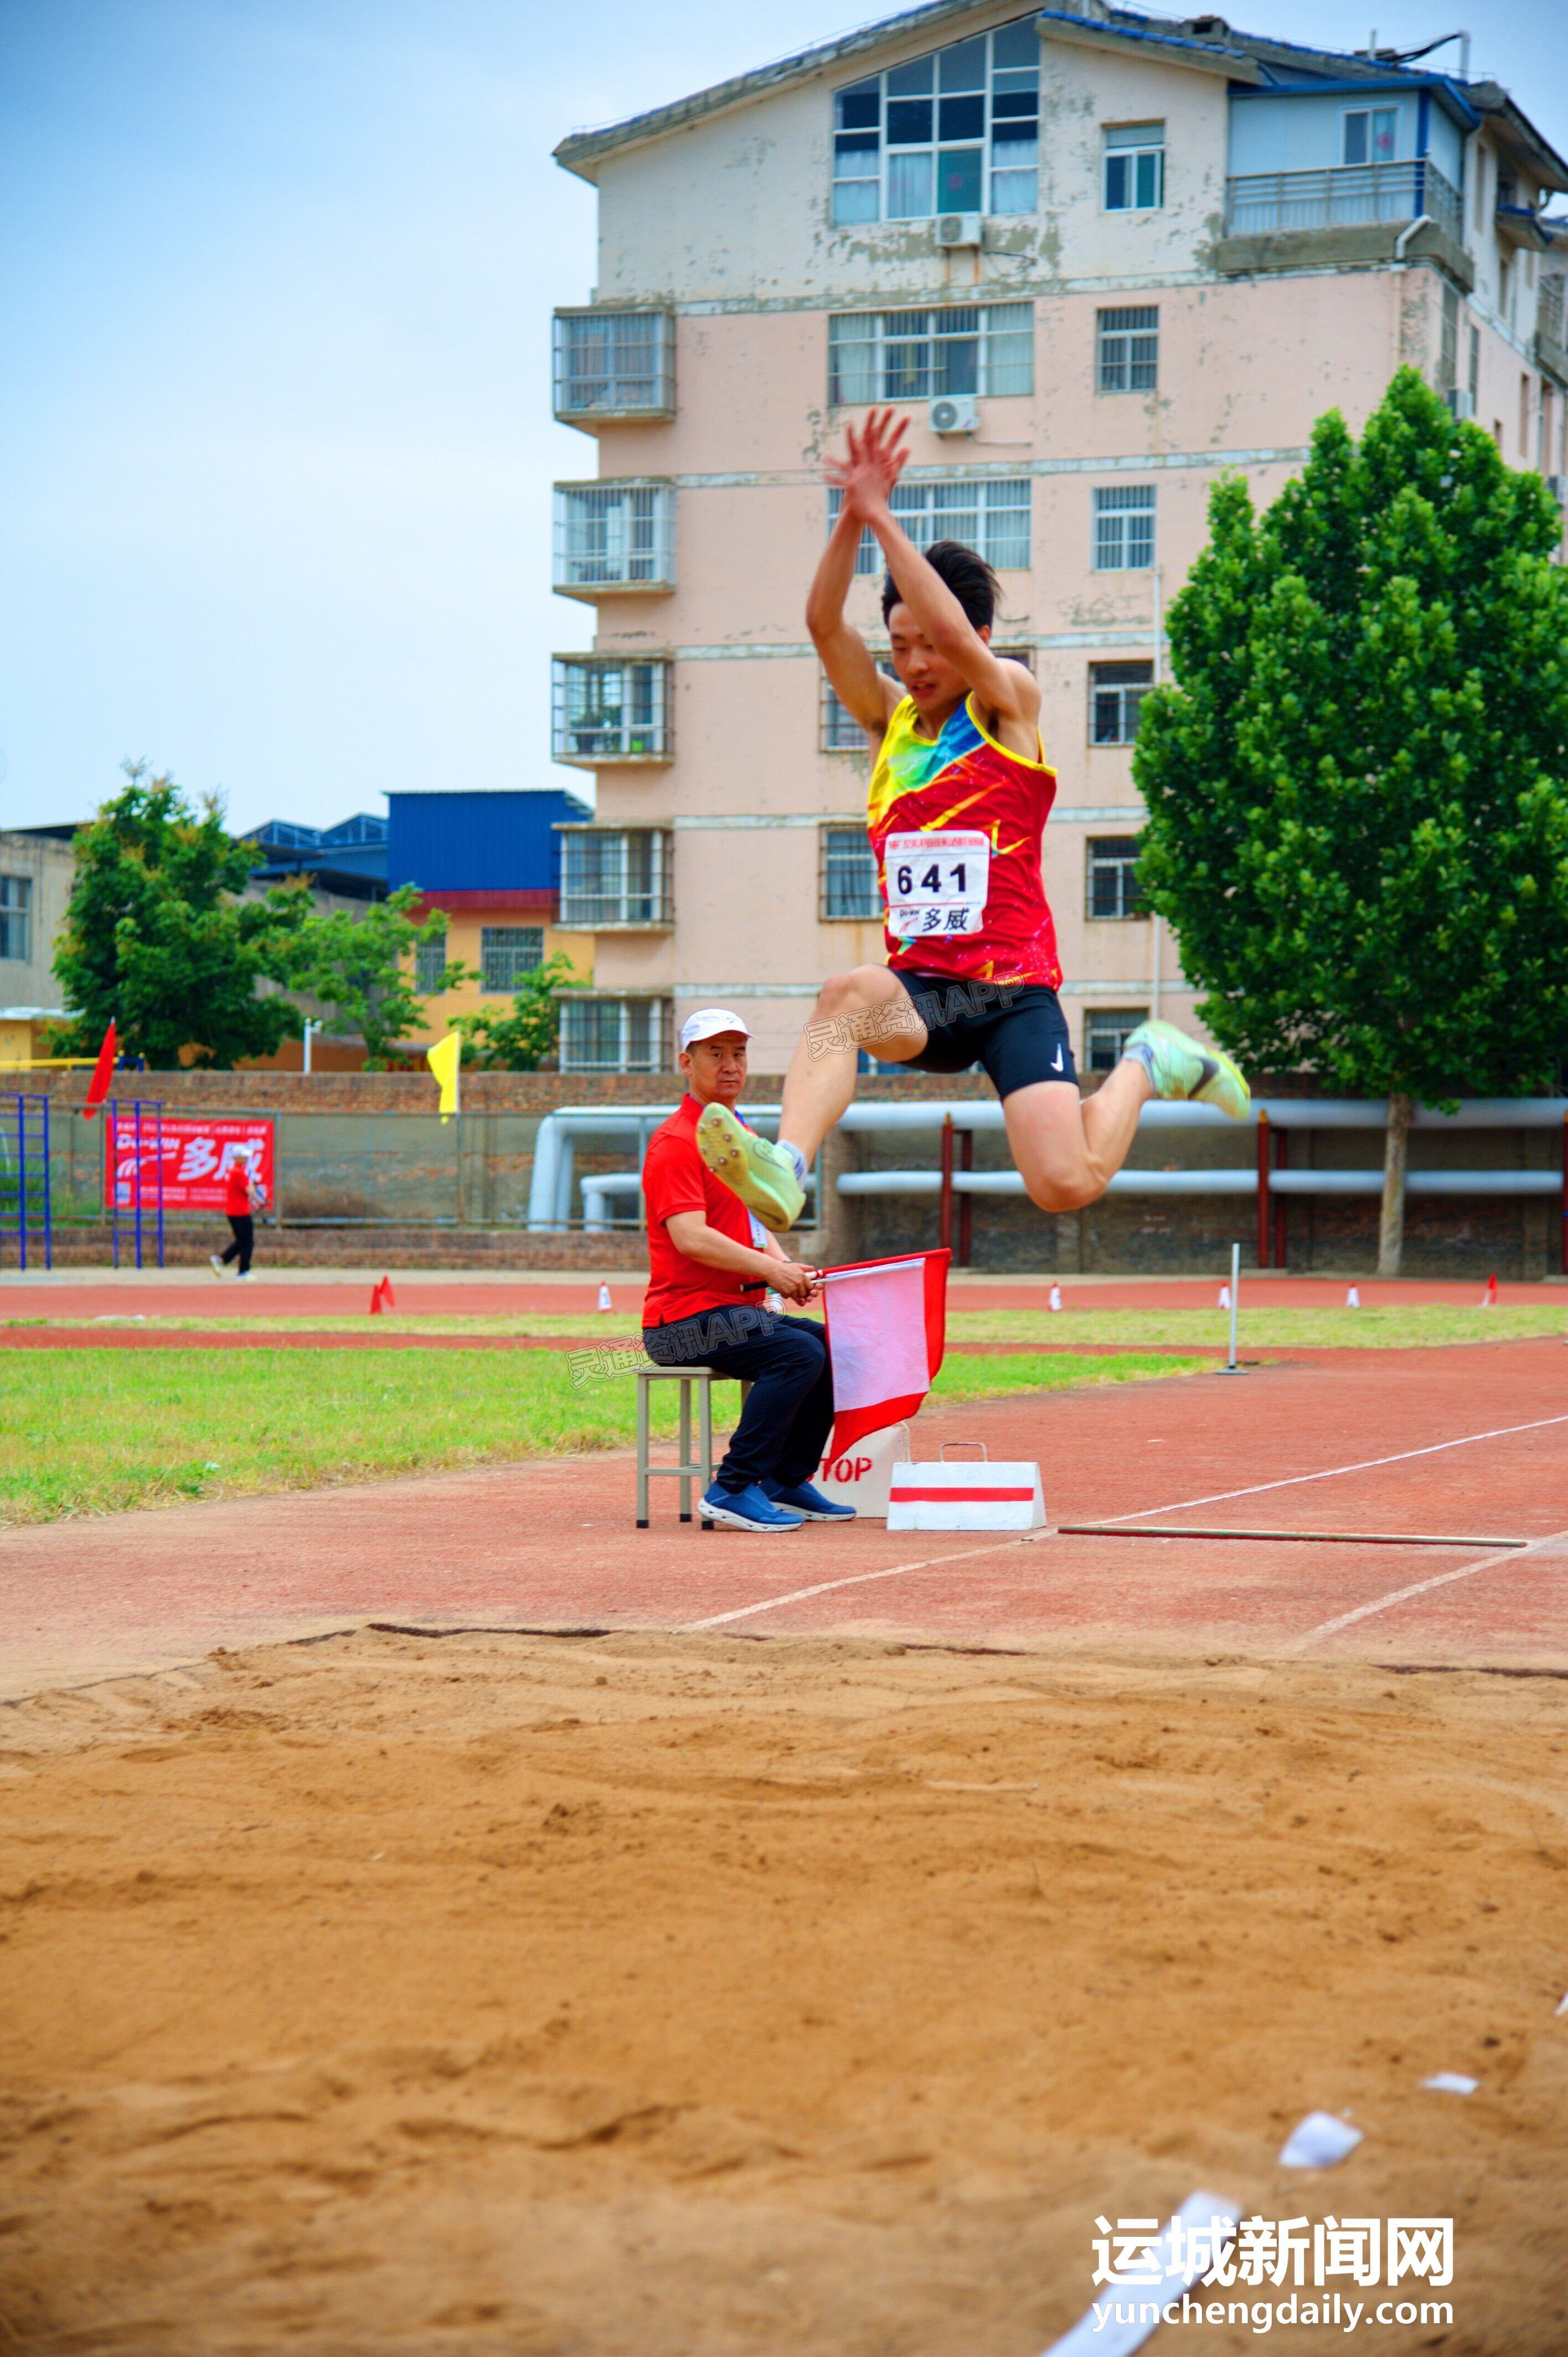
column 685, row 1472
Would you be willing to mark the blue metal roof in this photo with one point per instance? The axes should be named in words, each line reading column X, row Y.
column 473, row 842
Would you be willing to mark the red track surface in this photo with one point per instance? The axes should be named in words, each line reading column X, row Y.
column 552, row 1543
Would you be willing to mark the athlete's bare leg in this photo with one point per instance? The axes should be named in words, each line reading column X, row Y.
column 1068, row 1148
column 868, row 1007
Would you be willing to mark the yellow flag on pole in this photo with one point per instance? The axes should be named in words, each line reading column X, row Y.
column 444, row 1060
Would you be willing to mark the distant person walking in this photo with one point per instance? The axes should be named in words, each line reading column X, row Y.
column 243, row 1196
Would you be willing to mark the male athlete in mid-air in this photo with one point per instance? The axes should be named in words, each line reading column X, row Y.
column 959, row 794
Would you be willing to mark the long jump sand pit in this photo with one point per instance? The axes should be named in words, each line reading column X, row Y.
column 694, row 1995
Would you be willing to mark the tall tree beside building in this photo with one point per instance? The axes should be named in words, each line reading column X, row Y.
column 157, row 939
column 362, row 968
column 1358, row 786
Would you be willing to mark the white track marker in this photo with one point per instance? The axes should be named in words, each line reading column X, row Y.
column 1203, row 2220
column 1422, row 1586
column 1366, row 1465
column 1320, row 2141
column 858, row 1579
column 1451, row 2083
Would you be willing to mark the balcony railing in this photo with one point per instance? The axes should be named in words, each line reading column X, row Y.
column 610, row 709
column 611, row 537
column 1343, row 196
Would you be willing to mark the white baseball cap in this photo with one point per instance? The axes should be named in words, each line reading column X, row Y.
column 709, row 1023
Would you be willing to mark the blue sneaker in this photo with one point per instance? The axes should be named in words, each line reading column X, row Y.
column 807, row 1501
column 748, row 1509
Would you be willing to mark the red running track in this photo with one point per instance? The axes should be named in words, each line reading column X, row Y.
column 552, row 1543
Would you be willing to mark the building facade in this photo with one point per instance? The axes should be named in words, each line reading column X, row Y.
column 1097, row 259
column 36, row 868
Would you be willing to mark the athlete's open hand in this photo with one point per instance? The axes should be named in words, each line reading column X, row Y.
column 877, row 455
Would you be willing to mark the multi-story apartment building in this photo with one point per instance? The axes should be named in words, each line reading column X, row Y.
column 1098, row 257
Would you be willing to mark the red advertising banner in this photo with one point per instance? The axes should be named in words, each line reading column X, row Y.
column 196, row 1155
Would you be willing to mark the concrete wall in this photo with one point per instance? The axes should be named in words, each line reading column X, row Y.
column 47, row 867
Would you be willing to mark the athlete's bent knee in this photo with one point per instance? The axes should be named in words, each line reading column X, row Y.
column 1063, row 1194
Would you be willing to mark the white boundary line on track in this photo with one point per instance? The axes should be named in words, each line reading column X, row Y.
column 858, row 1579
column 1422, row 1586
column 1367, row 1463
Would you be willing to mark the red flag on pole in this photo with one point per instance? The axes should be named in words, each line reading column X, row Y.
column 103, row 1073
column 886, row 1326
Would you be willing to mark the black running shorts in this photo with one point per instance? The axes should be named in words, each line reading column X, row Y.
column 1015, row 1030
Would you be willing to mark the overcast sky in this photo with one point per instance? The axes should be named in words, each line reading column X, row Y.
column 277, row 284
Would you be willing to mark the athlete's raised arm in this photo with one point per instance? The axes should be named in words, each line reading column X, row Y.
column 860, row 687
column 1007, row 691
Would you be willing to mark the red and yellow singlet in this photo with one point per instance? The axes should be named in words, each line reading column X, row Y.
column 955, row 822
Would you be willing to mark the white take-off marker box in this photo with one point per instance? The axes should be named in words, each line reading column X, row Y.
column 965, row 1496
column 861, row 1477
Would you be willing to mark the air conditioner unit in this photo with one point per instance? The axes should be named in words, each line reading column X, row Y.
column 1558, row 487
column 1461, row 401
column 953, row 413
column 958, row 229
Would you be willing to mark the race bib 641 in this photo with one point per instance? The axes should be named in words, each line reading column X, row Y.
column 936, row 882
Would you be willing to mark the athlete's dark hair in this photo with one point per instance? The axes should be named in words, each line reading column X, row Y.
column 967, row 575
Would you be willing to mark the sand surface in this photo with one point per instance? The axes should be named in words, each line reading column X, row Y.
column 648, row 1997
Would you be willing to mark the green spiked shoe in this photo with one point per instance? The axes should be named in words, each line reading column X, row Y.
column 1178, row 1067
column 761, row 1173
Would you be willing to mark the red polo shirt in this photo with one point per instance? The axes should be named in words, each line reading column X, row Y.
column 237, row 1191
column 676, row 1178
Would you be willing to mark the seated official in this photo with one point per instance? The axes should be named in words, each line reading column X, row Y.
column 710, row 1265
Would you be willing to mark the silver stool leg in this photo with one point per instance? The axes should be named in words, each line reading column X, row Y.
column 642, row 1391
column 685, row 1457
column 706, row 1439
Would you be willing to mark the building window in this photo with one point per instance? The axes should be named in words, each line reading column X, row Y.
column 1116, row 693
column 614, row 536
column 849, row 886
column 1475, row 367
column 1370, row 135
column 1113, row 876
column 608, row 711
column 1124, row 528
column 614, row 876
column 507, row 952
column 1130, row 348
column 615, row 1035
column 1448, row 341
column 992, row 517
column 956, row 132
column 429, row 963
column 15, row 910
column 1106, row 1031
column 838, row 729
column 987, row 348
column 615, row 365
column 1134, row 166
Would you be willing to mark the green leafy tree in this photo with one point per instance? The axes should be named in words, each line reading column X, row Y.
column 519, row 1038
column 1358, row 787
column 157, row 939
column 362, row 968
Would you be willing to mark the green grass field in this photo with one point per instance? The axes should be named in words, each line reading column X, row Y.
column 1171, row 1330
column 91, row 1432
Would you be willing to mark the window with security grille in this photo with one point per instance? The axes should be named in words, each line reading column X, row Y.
column 1134, row 163
column 957, row 131
column 1113, row 876
column 849, row 875
column 615, row 876
column 1129, row 341
column 615, row 363
column 16, row 915
column 1448, row 344
column 507, row 952
column 1106, row 1031
column 992, row 517
column 840, row 731
column 615, row 1035
column 429, row 962
column 984, row 348
column 1124, row 528
column 1116, row 693
column 605, row 710
column 615, row 536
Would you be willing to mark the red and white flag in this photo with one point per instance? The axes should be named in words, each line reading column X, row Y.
column 886, row 1326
